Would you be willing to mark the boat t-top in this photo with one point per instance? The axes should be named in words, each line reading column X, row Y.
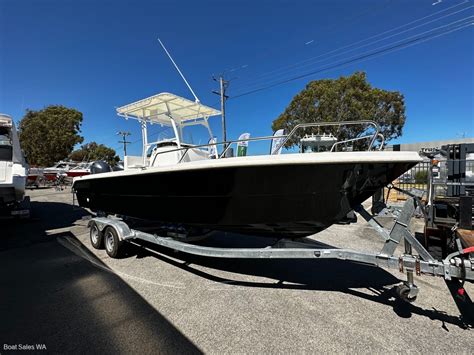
column 176, row 183
column 177, row 113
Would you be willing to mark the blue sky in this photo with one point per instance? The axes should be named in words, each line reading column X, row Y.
column 97, row 55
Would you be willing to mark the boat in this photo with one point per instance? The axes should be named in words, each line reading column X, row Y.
column 13, row 166
column 81, row 169
column 175, row 183
column 35, row 177
column 62, row 167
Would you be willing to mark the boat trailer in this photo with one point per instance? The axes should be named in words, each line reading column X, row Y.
column 456, row 268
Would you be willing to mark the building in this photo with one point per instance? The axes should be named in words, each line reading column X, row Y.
column 427, row 146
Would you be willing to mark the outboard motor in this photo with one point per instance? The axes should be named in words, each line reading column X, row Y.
column 118, row 166
column 100, row 166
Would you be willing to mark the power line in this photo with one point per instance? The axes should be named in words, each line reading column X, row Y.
column 407, row 38
column 365, row 56
column 284, row 68
column 347, row 20
column 365, row 45
column 298, row 64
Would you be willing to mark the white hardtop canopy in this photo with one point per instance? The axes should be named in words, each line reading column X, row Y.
column 6, row 120
column 167, row 110
column 162, row 107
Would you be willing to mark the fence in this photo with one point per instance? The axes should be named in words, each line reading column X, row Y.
column 415, row 178
column 418, row 176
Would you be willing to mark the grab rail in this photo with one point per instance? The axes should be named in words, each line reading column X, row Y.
column 382, row 141
column 227, row 144
column 186, row 149
column 343, row 123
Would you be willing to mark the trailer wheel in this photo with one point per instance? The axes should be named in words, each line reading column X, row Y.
column 113, row 245
column 96, row 236
column 403, row 293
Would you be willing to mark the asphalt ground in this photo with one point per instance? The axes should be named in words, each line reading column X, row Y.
column 56, row 290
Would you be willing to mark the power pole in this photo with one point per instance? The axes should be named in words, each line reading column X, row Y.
column 223, row 84
column 124, row 142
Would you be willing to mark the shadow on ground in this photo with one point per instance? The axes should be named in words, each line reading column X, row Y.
column 54, row 297
column 45, row 216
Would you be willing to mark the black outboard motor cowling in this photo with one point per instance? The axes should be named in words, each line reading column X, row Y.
column 118, row 166
column 100, row 166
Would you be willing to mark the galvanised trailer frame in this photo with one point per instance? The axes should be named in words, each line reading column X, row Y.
column 455, row 269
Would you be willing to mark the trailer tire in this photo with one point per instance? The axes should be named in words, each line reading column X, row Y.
column 113, row 245
column 96, row 236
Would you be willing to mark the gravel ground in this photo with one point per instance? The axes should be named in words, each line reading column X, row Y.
column 58, row 290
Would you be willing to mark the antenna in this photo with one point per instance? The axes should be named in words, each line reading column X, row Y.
column 179, row 71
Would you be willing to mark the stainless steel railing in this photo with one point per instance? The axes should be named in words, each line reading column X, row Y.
column 380, row 135
column 228, row 144
column 344, row 123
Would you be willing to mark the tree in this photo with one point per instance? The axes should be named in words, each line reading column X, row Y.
column 50, row 134
column 93, row 151
column 421, row 177
column 349, row 98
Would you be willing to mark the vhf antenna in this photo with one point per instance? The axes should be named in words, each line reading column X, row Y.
column 179, row 71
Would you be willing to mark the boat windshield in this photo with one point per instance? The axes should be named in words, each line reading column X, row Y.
column 6, row 149
column 317, row 143
column 315, row 148
column 61, row 166
column 189, row 136
column 195, row 135
column 5, row 136
column 80, row 166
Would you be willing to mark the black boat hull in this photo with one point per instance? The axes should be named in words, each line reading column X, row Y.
column 284, row 199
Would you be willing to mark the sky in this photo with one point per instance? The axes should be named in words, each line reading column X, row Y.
column 97, row 55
